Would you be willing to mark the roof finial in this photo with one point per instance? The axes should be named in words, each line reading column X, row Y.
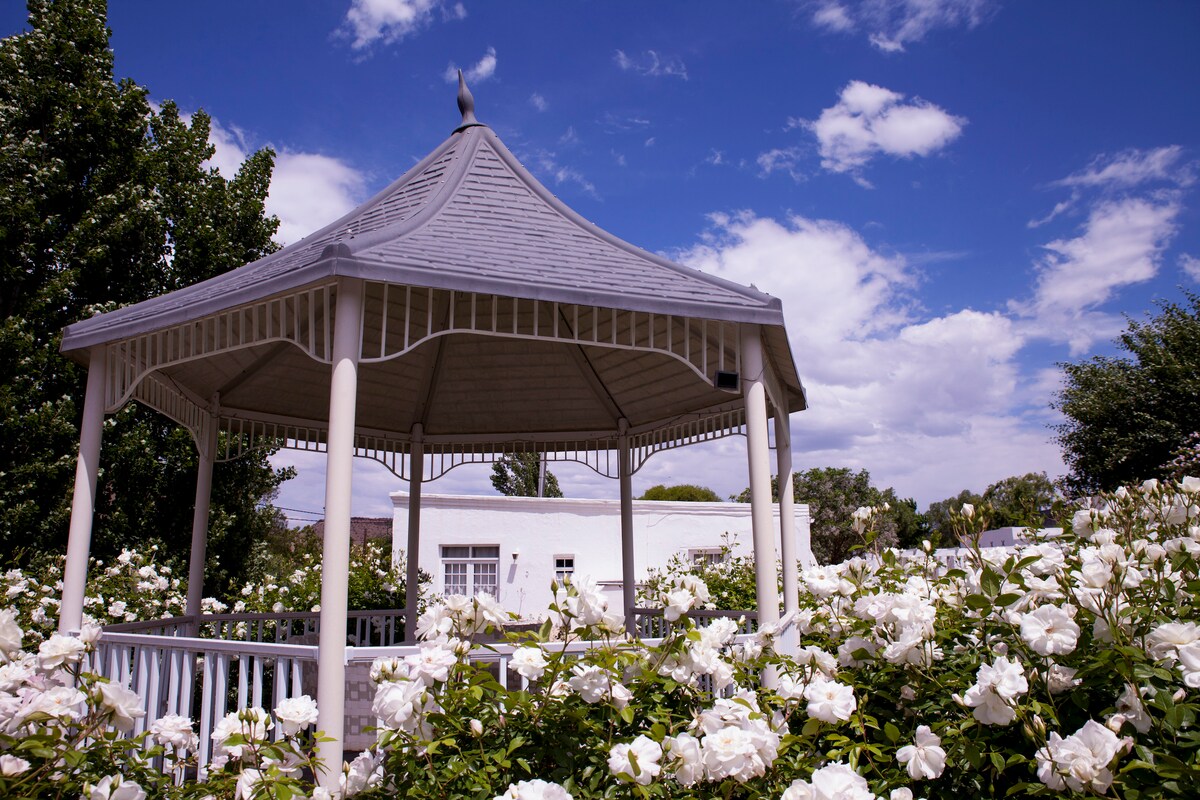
column 466, row 103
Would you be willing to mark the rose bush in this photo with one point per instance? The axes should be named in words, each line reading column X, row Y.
column 1065, row 665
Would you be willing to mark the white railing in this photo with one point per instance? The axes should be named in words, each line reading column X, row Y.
column 245, row 660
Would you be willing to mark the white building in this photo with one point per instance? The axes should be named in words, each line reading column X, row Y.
column 513, row 547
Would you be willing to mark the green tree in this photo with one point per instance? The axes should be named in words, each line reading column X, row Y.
column 1021, row 500
column 833, row 494
column 516, row 475
column 937, row 516
column 1129, row 416
column 684, row 492
column 106, row 202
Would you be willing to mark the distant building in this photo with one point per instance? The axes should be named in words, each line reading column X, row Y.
column 513, row 547
column 362, row 529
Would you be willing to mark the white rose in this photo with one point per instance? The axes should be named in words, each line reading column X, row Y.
column 174, row 731
column 124, row 706
column 636, row 761
column 529, row 662
column 114, row 787
column 830, row 701
column 839, row 782
column 924, row 758
column 59, row 650
column 10, row 633
column 10, row 765
column 295, row 714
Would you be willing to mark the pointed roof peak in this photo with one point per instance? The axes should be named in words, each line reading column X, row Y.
column 466, row 105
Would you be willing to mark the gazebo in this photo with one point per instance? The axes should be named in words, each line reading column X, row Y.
column 462, row 313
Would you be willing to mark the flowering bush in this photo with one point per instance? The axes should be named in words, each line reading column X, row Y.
column 66, row 733
column 375, row 582
column 730, row 580
column 134, row 586
column 1066, row 665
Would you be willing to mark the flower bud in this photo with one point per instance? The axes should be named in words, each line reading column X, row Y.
column 926, row 545
column 1179, row 696
column 907, row 693
column 476, row 728
column 968, row 511
column 1115, row 722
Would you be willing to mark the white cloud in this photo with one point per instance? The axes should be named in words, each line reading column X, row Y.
column 1190, row 265
column 1120, row 244
column 869, row 120
column 388, row 21
column 548, row 165
column 781, row 159
column 893, row 24
column 308, row 190
column 538, row 102
column 833, row 16
column 1133, row 167
column 652, row 63
column 650, row 142
column 484, row 68
column 929, row 404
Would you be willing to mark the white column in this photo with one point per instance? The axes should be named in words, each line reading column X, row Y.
column 758, row 456
column 335, row 565
column 83, row 502
column 207, row 450
column 628, row 579
column 412, row 587
column 787, row 522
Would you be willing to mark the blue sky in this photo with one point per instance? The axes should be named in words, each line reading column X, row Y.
column 949, row 196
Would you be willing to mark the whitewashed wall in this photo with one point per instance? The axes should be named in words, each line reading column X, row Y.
column 531, row 532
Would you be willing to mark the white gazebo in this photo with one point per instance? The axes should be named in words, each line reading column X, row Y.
column 462, row 313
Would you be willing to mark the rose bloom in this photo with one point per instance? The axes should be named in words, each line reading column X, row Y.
column 832, row 782
column 830, row 701
column 637, row 759
column 247, row 782
column 1166, row 639
column 686, row 759
column 11, row 766
column 536, row 789
column 529, row 662
column 1080, row 761
column 175, row 731
column 364, row 772
column 124, row 705
column 996, row 686
column 10, row 633
column 433, row 663
column 924, row 758
column 397, row 703
column 1049, row 631
column 59, row 650
column 113, row 787
column 296, row 713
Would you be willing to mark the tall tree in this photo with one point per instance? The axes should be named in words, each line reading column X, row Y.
column 937, row 516
column 833, row 494
column 517, row 476
column 1021, row 500
column 1129, row 416
column 105, row 202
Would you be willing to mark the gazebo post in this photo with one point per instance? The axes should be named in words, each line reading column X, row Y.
column 206, row 448
column 758, row 452
column 83, row 502
column 787, row 523
column 335, row 566
column 411, row 586
column 628, row 579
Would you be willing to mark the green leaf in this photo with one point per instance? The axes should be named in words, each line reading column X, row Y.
column 891, row 732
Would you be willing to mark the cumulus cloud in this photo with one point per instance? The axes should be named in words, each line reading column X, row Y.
column 483, row 69
column 869, row 120
column 538, row 102
column 1190, row 265
column 1120, row 244
column 388, row 21
column 891, row 25
column 308, row 190
column 915, row 398
column 652, row 63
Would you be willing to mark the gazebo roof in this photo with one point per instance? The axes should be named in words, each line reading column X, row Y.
column 468, row 224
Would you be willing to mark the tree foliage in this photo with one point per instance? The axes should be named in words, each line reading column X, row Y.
column 1129, row 417
column 833, row 494
column 684, row 492
column 105, row 202
column 516, row 475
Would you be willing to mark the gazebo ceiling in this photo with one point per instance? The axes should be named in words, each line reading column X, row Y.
column 491, row 312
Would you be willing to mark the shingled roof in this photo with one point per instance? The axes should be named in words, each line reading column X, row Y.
column 492, row 313
column 468, row 217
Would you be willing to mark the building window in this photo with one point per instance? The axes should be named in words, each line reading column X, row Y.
column 707, row 556
column 470, row 569
column 564, row 567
